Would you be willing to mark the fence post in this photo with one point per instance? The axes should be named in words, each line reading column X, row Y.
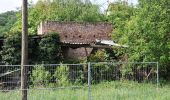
column 157, row 65
column 89, row 81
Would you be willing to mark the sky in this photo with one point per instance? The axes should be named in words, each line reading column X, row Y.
column 8, row 5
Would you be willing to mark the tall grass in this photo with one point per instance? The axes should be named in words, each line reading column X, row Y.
column 104, row 91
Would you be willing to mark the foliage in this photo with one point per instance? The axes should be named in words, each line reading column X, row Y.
column 119, row 13
column 46, row 50
column 100, row 70
column 33, row 49
column 144, row 28
column 10, row 53
column 39, row 76
column 146, row 31
column 61, row 75
column 59, row 10
column 98, row 56
column 7, row 20
column 49, row 49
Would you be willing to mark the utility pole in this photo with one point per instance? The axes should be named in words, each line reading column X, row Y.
column 24, row 51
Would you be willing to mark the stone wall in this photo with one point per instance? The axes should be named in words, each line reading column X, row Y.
column 74, row 32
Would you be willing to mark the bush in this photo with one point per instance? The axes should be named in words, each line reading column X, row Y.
column 101, row 71
column 61, row 75
column 49, row 48
column 11, row 49
column 46, row 50
column 98, row 56
column 40, row 77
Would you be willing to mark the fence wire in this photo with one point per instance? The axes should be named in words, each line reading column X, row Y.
column 89, row 81
column 123, row 80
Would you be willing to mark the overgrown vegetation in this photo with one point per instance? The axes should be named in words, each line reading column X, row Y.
column 43, row 50
column 40, row 77
column 10, row 53
column 143, row 27
column 55, row 76
column 61, row 75
column 50, row 49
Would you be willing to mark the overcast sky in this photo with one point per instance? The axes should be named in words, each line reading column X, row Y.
column 8, row 5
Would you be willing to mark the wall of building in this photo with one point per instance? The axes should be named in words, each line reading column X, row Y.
column 74, row 32
column 76, row 53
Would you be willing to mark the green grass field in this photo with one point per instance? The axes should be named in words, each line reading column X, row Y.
column 102, row 91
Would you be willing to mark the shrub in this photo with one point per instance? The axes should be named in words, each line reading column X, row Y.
column 10, row 53
column 49, row 48
column 61, row 75
column 40, row 77
column 98, row 56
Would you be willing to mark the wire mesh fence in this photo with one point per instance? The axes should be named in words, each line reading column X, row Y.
column 123, row 80
column 88, row 81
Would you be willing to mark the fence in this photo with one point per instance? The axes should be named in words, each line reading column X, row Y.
column 123, row 80
column 88, row 81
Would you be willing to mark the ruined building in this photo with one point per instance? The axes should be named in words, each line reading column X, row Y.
column 78, row 39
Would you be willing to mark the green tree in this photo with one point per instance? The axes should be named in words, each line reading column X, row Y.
column 119, row 13
column 147, row 32
column 59, row 10
column 152, row 31
column 7, row 20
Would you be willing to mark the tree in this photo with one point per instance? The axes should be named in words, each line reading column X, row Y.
column 147, row 32
column 59, row 10
column 7, row 20
column 119, row 13
column 152, row 31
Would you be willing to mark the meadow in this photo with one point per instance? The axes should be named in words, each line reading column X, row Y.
column 103, row 91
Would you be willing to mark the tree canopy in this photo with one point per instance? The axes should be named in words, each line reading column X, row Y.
column 7, row 20
column 146, row 30
column 59, row 10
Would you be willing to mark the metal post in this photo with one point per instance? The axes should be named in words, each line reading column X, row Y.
column 157, row 64
column 89, row 81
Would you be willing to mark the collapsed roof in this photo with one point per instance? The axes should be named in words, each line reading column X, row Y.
column 77, row 32
column 80, row 33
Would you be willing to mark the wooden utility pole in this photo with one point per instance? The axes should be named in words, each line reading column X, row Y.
column 24, row 52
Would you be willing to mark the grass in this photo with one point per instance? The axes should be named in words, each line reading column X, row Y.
column 103, row 91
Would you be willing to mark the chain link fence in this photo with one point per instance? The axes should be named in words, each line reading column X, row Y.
column 88, row 81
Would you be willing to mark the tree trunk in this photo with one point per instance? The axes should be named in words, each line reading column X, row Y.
column 24, row 58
